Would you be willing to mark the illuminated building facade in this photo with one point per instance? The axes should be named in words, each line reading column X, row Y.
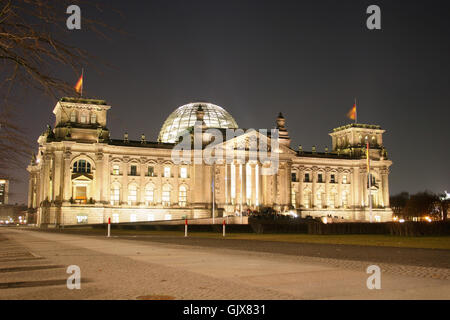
column 80, row 175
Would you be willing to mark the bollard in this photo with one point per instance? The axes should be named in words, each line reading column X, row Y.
column 109, row 227
column 224, row 227
column 185, row 228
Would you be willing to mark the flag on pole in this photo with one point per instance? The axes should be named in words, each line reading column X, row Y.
column 352, row 113
column 79, row 85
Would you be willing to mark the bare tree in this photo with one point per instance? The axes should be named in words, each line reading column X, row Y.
column 32, row 52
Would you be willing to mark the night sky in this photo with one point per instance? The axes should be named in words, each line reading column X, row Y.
column 308, row 59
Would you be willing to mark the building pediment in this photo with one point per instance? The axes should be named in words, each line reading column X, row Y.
column 252, row 140
column 82, row 177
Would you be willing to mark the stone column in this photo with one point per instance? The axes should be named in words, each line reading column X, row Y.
column 313, row 188
column 300, row 196
column 124, row 195
column 105, row 196
column 385, row 186
column 67, row 177
column 98, row 176
column 58, row 173
column 254, row 186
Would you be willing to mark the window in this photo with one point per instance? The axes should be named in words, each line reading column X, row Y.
column 168, row 217
column 93, row 118
column 319, row 199
column 81, row 194
column 182, row 199
column 81, row 166
column 307, row 200
column 166, row 172
column 133, row 217
column 344, row 179
column 332, row 200
column 320, row 178
column 151, row 171
column 307, row 177
column 149, row 195
column 166, row 195
column 345, row 199
column 116, row 170
column 150, row 217
column 83, row 117
column 82, row 219
column 115, row 218
column 293, row 177
column 115, row 194
column 293, row 198
column 377, row 219
column 332, row 178
column 183, row 173
column 373, row 181
column 73, row 117
column 133, row 170
column 132, row 194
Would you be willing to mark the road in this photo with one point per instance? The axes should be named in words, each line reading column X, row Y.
column 33, row 266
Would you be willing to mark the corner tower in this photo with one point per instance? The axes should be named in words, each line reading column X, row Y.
column 81, row 120
column 351, row 140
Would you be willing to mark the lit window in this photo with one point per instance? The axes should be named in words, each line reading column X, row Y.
column 93, row 118
column 81, row 166
column 183, row 173
column 81, row 194
column 115, row 194
column 345, row 199
column 115, row 218
column 82, row 219
column 307, row 200
column 73, row 116
column 344, row 179
column 182, row 200
column 293, row 198
column 319, row 199
column 132, row 194
column 83, row 118
column 133, row 217
column 151, row 171
column 166, row 172
column 150, row 217
column 166, row 195
column 331, row 200
column 116, row 170
column 149, row 195
column 168, row 217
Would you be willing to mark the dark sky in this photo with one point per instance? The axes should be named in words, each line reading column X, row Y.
column 308, row 59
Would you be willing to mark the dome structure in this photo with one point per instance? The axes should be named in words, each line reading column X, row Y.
column 185, row 116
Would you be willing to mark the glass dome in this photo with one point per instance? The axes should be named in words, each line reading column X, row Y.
column 185, row 116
